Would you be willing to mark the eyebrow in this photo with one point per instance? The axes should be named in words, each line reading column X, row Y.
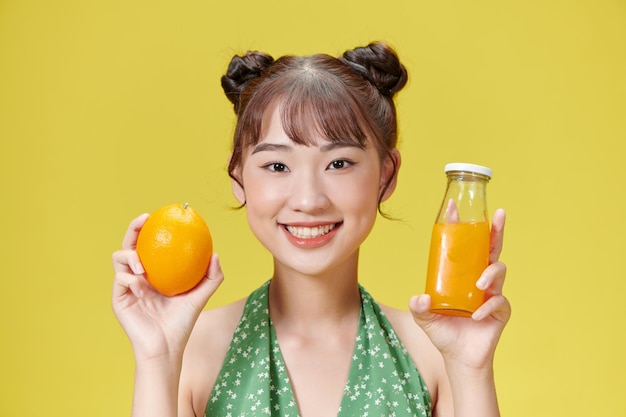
column 265, row 146
column 271, row 147
column 335, row 145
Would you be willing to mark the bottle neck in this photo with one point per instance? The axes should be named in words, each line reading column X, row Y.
column 465, row 200
column 467, row 176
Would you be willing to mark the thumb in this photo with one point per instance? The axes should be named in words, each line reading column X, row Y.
column 209, row 283
column 420, row 309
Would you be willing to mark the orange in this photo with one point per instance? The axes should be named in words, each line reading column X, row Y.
column 175, row 248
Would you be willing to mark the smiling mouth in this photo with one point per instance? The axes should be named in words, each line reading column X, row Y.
column 310, row 232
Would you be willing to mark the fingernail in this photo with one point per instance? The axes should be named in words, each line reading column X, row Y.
column 481, row 284
column 423, row 304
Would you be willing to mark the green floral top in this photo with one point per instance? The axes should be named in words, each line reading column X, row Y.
column 253, row 381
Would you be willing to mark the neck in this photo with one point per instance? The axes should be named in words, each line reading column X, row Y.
column 303, row 302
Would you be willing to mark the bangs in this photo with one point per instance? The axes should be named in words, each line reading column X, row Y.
column 313, row 103
column 316, row 108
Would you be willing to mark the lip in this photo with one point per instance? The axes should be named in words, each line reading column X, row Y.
column 311, row 242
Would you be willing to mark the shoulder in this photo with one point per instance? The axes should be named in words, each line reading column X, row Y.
column 206, row 350
column 425, row 355
column 217, row 325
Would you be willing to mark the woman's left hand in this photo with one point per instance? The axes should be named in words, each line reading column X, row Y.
column 471, row 341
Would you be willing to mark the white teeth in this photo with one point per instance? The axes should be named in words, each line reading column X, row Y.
column 310, row 232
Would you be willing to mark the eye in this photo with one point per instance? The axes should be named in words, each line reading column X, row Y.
column 340, row 164
column 276, row 167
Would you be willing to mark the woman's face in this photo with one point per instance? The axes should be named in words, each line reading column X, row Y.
column 310, row 206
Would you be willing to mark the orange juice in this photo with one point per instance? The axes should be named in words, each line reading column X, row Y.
column 459, row 253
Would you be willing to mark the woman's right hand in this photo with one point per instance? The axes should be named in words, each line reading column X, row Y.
column 157, row 326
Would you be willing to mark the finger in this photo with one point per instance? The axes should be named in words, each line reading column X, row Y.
column 492, row 278
column 497, row 307
column 125, row 283
column 209, row 284
column 127, row 261
column 452, row 213
column 419, row 306
column 497, row 235
column 130, row 238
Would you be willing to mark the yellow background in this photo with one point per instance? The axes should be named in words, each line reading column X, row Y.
column 112, row 108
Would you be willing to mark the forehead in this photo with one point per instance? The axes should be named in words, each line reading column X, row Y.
column 304, row 123
column 272, row 125
column 274, row 137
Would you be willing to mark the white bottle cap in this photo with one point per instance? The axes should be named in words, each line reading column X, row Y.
column 460, row 166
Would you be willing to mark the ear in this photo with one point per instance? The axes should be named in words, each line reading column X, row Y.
column 238, row 191
column 389, row 174
column 236, row 183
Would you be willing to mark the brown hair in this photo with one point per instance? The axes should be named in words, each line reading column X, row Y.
column 349, row 98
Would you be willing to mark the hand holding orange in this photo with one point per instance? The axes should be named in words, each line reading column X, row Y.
column 175, row 248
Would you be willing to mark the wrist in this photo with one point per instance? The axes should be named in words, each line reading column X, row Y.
column 465, row 368
column 469, row 360
column 154, row 352
column 165, row 363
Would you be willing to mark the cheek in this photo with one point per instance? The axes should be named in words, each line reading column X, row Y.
column 360, row 194
column 261, row 196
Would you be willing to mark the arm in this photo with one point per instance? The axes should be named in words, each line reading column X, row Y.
column 468, row 345
column 157, row 326
column 473, row 391
column 156, row 387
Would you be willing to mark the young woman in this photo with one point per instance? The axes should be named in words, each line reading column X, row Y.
column 314, row 155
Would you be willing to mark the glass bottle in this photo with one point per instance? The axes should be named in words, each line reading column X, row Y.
column 459, row 248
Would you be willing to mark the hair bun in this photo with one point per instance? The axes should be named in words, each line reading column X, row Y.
column 380, row 65
column 241, row 71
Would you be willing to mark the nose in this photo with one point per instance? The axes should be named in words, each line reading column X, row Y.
column 308, row 193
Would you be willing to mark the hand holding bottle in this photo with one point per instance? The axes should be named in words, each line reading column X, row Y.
column 471, row 341
column 464, row 277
